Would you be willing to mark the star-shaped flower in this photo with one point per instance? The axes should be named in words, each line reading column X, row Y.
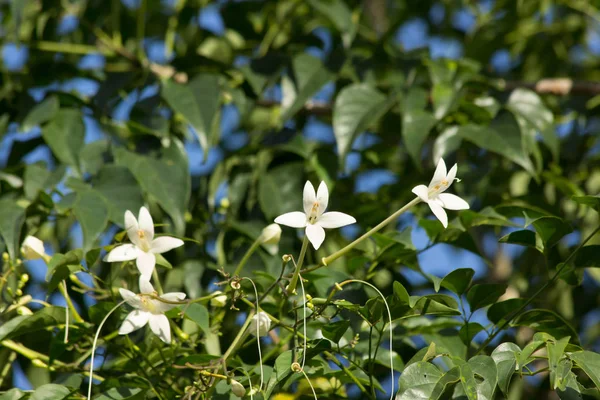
column 434, row 193
column 143, row 246
column 148, row 310
column 314, row 217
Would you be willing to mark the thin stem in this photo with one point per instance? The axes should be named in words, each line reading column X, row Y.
column 66, row 340
column 294, row 282
column 159, row 288
column 11, row 358
column 258, row 334
column 331, row 258
column 246, row 257
column 536, row 294
column 309, row 384
column 94, row 347
column 304, row 323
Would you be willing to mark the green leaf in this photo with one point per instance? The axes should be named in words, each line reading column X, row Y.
column 485, row 368
column 339, row 14
column 546, row 321
column 484, row 294
column 50, row 391
column 526, row 103
column 568, row 388
column 589, row 362
column 443, row 97
column 166, row 178
column 446, row 142
column 46, row 317
column 524, row 237
column 199, row 314
column 416, row 123
column 122, row 393
column 468, row 331
column 458, row 280
column 400, row 292
column 356, row 107
column 502, row 137
column 198, row 102
column 41, row 113
column 61, row 266
column 91, row 211
column 587, row 257
column 283, row 365
column 120, row 190
column 12, row 394
column 64, row 135
column 418, row 381
column 38, row 178
column 500, row 310
column 310, row 75
column 505, row 357
column 93, row 156
column 556, row 350
column 280, row 190
column 335, row 330
column 550, row 229
column 12, row 217
column 590, row 201
column 467, row 379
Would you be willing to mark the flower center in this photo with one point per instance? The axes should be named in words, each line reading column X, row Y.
column 144, row 244
column 314, row 213
column 443, row 185
column 149, row 304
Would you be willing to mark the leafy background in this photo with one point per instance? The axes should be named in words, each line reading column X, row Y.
column 216, row 113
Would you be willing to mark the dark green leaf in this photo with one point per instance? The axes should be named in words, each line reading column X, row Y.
column 550, row 229
column 120, row 191
column 468, row 331
column 92, row 213
column 546, row 321
column 458, row 280
column 501, row 310
column 556, row 350
column 12, row 217
column 587, row 256
column 356, row 107
column 121, row 393
column 590, row 201
column 64, row 135
column 416, row 123
column 41, row 113
column 46, row 317
column 199, row 314
column 335, row 330
column 524, row 237
column 280, row 190
column 401, row 292
column 484, row 294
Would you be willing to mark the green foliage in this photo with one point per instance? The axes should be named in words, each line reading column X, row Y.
column 216, row 131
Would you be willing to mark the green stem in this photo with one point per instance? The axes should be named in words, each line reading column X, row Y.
column 70, row 48
column 63, row 289
column 159, row 288
column 536, row 294
column 331, row 258
column 11, row 358
column 246, row 257
column 294, row 282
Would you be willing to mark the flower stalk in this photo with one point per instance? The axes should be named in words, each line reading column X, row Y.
column 294, row 282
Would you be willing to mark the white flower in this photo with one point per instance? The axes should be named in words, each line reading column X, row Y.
column 238, row 389
column 220, row 300
column 263, row 322
column 32, row 248
column 143, row 245
column 270, row 237
column 434, row 196
column 313, row 217
column 149, row 311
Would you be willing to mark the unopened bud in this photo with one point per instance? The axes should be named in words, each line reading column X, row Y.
column 237, row 388
column 33, row 248
column 24, row 311
column 296, row 367
column 310, row 305
column 225, row 203
column 270, row 237
column 182, row 335
column 219, row 300
column 19, row 292
column 5, row 256
column 309, row 297
column 286, row 258
column 261, row 323
column 235, row 284
column 24, row 278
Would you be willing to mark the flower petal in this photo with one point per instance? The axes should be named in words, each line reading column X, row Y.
column 124, row 252
column 165, row 243
column 316, row 235
column 439, row 174
column 159, row 324
column 422, row 191
column 322, row 198
column 131, row 298
column 146, row 286
column 334, row 219
column 146, row 223
column 173, row 296
column 33, row 248
column 145, row 264
column 452, row 174
column 453, row 202
column 135, row 320
column 439, row 212
column 295, row 219
column 132, row 227
column 308, row 197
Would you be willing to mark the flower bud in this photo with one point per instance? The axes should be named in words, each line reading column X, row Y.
column 269, row 238
column 286, row 258
column 33, row 248
column 262, row 322
column 220, row 300
column 238, row 389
